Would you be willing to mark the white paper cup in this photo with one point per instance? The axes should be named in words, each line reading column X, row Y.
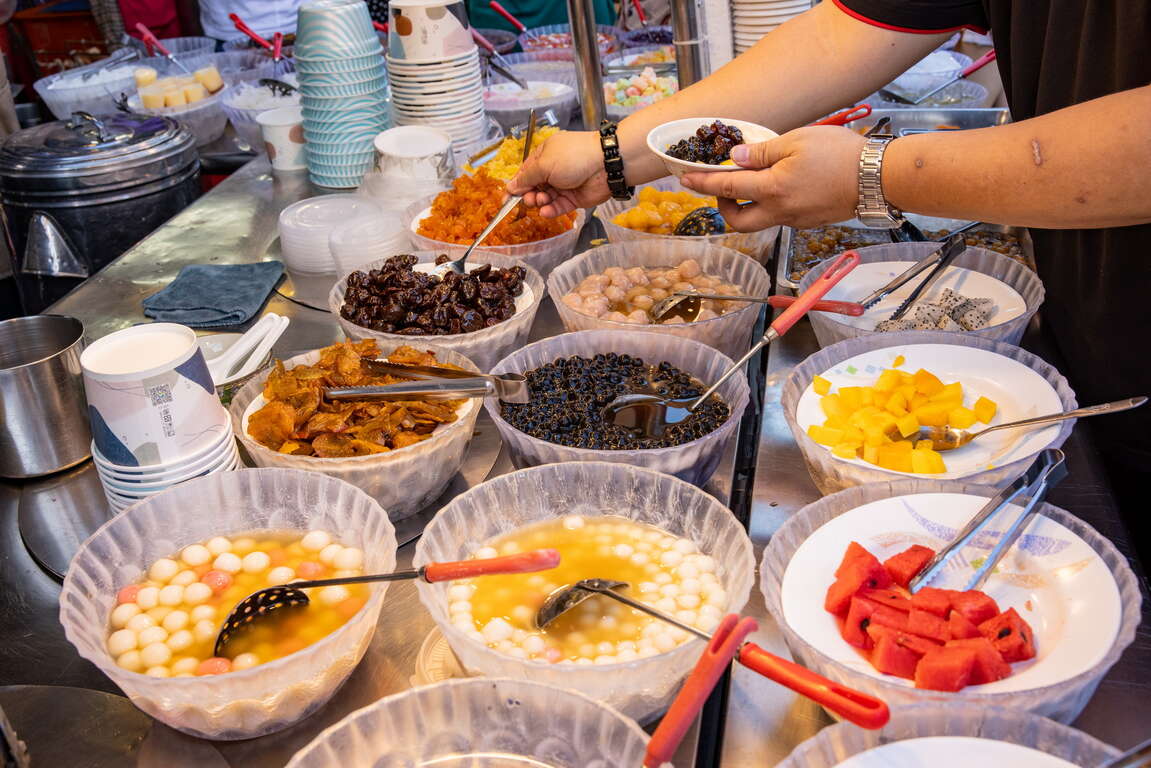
column 428, row 30
column 150, row 396
column 283, row 133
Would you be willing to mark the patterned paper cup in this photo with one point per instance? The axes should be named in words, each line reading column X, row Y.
column 428, row 30
column 283, row 132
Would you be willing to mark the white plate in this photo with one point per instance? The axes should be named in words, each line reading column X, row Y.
column 1019, row 391
column 953, row 752
column 1054, row 579
column 867, row 277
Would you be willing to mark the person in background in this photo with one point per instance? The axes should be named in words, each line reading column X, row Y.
column 160, row 16
column 265, row 17
column 532, row 13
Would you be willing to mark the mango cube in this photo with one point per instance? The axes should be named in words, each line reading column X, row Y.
column 985, row 410
column 821, row 385
column 897, row 404
column 927, row 462
column 961, row 418
column 894, row 458
column 851, row 397
column 907, row 425
column 952, row 391
column 932, row 414
column 888, row 380
column 845, row 451
column 832, row 408
column 871, row 454
column 917, row 400
column 927, row 383
column 825, row 435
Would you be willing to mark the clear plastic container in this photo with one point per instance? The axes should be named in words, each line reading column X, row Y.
column 486, row 347
column 694, row 461
column 831, row 746
column 757, row 245
column 543, row 255
column 640, row 689
column 1062, row 701
column 403, row 481
column 831, row 474
column 932, row 71
column 552, row 66
column 964, row 94
column 502, row 103
column 256, row 701
column 243, row 119
column 829, row 328
column 360, row 242
column 729, row 333
column 529, row 38
column 66, row 92
column 458, row 721
column 205, row 119
column 652, row 34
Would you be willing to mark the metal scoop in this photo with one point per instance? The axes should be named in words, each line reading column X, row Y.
column 264, row 602
column 688, row 304
column 949, row 438
column 651, row 414
column 861, row 709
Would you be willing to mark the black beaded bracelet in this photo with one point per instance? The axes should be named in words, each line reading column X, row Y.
column 613, row 163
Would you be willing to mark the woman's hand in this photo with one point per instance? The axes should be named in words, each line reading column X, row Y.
column 563, row 174
column 804, row 178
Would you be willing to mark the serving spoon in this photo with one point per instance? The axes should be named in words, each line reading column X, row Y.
column 949, row 438
column 861, row 709
column 688, row 304
column 651, row 414
column 263, row 602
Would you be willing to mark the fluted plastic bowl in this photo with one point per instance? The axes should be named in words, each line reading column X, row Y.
column 831, row 746
column 484, row 347
column 403, row 481
column 1062, row 701
column 694, row 461
column 757, row 244
column 729, row 333
column 610, row 45
column 640, row 689
column 205, row 119
column 256, row 701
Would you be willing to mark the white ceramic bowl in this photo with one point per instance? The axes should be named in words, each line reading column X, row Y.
column 977, row 272
column 1022, row 384
column 1068, row 581
column 403, row 481
column 952, row 736
column 256, row 701
column 663, row 136
column 729, row 333
column 642, row 688
column 694, row 461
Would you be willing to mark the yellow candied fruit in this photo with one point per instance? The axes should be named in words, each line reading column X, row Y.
column 985, row 409
column 506, row 162
column 659, row 212
column 961, row 418
column 821, row 385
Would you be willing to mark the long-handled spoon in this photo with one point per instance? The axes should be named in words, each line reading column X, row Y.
column 651, row 414
column 971, row 68
column 152, row 40
column 264, row 602
column 498, row 63
column 861, row 709
column 949, row 438
column 688, row 304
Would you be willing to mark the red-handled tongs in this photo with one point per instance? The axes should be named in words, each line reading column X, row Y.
column 846, row 116
column 240, row 25
column 639, row 12
column 507, row 15
column 151, row 41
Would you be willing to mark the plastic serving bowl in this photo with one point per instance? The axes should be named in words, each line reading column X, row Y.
column 1018, row 294
column 403, row 481
column 503, row 104
column 551, row 65
column 205, row 119
column 72, row 94
column 964, row 94
column 693, row 461
column 1024, row 385
column 484, row 347
column 528, row 37
column 256, row 701
column 541, row 255
column 663, row 136
column 640, row 689
column 1060, row 692
column 729, row 333
column 962, row 724
column 462, row 720
column 757, row 245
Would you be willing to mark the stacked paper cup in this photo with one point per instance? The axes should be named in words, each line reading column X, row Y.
column 156, row 419
column 752, row 19
column 434, row 69
column 343, row 87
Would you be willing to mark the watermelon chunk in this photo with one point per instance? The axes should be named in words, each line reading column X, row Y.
column 888, row 597
column 989, row 664
column 945, row 669
column 854, row 629
column 887, row 617
column 854, row 552
column 932, row 600
column 961, row 628
column 975, row 606
column 914, row 643
column 1010, row 635
column 928, row 625
column 904, row 566
column 891, row 658
column 860, row 573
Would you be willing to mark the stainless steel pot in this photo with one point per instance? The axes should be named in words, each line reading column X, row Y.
column 43, row 411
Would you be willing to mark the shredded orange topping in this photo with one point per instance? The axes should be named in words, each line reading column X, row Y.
column 459, row 214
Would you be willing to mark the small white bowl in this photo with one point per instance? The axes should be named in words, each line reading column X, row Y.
column 663, row 136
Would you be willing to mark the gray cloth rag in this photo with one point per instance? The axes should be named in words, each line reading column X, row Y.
column 215, row 296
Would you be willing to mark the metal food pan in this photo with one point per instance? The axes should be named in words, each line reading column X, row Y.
column 905, row 122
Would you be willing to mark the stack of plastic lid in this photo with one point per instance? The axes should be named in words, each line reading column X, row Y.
column 306, row 226
column 434, row 68
column 343, row 89
column 367, row 239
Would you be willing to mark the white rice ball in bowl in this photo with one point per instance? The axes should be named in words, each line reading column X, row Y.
column 640, row 688
column 265, row 698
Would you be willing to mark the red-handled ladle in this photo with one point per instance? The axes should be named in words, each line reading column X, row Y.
column 639, row 12
column 263, row 602
column 507, row 15
column 380, row 27
column 970, row 69
column 151, row 39
column 846, row 116
column 651, row 414
column 241, row 26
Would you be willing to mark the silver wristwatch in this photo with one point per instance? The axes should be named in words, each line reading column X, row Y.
column 873, row 209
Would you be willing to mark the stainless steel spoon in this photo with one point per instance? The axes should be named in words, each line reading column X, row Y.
column 688, row 304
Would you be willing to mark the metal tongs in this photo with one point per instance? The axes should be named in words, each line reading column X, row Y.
column 955, row 244
column 121, row 56
column 1047, row 471
column 498, row 63
column 434, row 383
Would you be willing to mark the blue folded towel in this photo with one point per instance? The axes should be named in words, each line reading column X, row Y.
column 215, row 296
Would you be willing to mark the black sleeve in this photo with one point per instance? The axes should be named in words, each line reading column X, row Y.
column 920, row 16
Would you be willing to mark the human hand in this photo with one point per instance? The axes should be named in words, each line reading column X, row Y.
column 563, row 174
column 804, row 178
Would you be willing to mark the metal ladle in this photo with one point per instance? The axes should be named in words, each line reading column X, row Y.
column 688, row 304
column 263, row 602
column 650, row 414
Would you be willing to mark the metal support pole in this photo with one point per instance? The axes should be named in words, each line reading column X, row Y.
column 589, row 76
column 690, row 50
